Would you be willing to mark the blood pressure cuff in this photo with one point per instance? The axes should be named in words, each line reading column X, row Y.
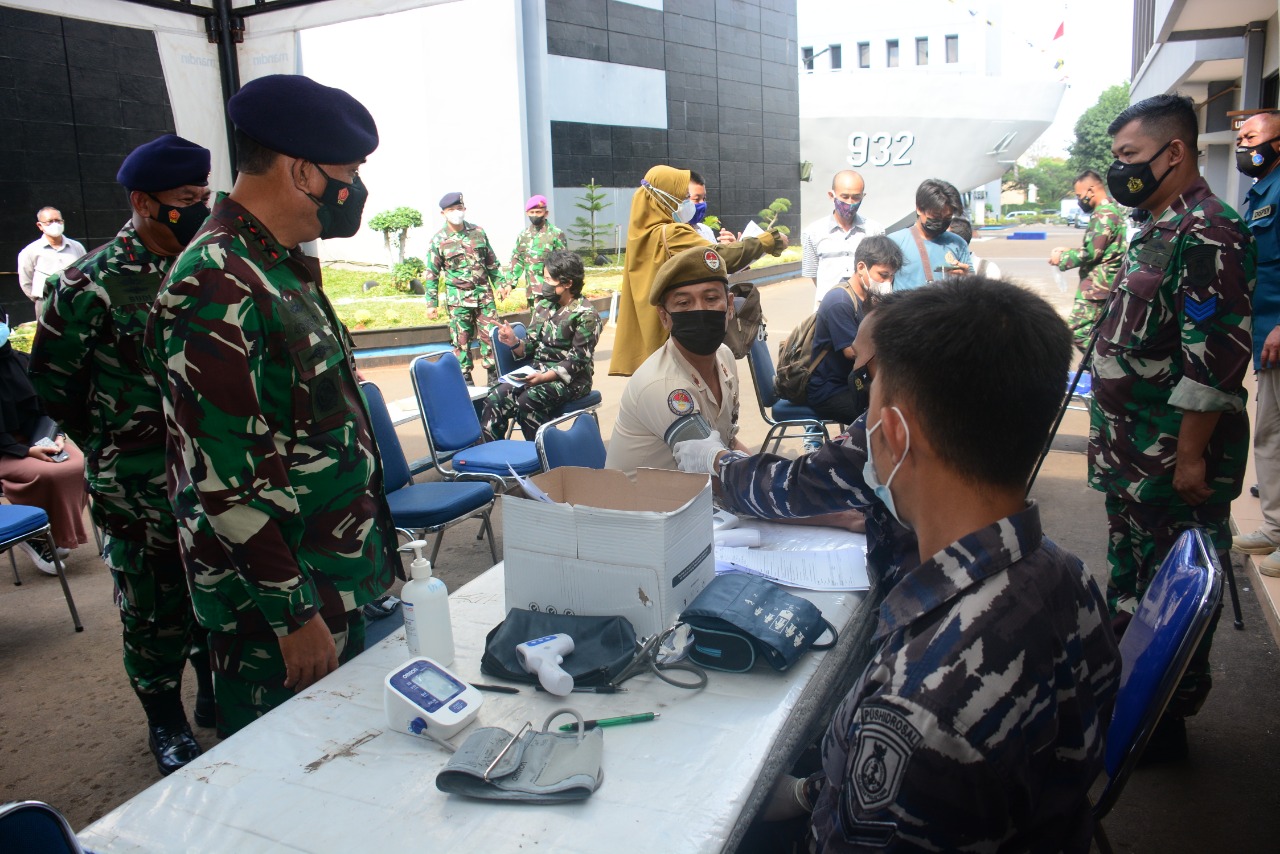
column 602, row 646
column 739, row 618
column 539, row 767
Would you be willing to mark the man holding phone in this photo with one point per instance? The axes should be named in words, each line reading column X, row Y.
column 929, row 250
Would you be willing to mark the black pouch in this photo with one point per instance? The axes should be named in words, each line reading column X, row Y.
column 602, row 646
column 738, row 618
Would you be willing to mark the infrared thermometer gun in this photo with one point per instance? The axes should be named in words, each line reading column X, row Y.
column 543, row 657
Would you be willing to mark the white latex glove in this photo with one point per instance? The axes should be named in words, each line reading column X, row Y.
column 699, row 455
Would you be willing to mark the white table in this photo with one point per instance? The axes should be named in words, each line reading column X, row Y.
column 322, row 774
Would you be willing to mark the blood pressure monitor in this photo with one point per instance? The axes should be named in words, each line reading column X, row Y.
column 424, row 699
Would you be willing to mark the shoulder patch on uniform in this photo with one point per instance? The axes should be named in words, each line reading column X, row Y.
column 1200, row 310
column 681, row 402
column 1265, row 210
column 1201, row 263
column 886, row 740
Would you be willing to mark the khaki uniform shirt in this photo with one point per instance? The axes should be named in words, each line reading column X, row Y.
column 664, row 389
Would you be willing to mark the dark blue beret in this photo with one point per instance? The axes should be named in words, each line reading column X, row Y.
column 299, row 117
column 163, row 164
column 450, row 199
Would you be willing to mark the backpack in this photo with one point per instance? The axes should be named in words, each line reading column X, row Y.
column 748, row 319
column 796, row 359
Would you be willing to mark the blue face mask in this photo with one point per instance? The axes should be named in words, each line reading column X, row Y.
column 873, row 480
column 699, row 213
column 4, row 334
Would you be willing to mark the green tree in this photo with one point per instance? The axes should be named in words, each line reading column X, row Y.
column 395, row 226
column 769, row 216
column 586, row 228
column 1092, row 148
column 1053, row 178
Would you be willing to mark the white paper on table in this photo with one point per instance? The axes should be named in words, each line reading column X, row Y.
column 530, row 488
column 752, row 230
column 519, row 375
column 826, row 569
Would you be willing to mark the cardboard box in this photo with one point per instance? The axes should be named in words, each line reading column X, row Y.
column 640, row 549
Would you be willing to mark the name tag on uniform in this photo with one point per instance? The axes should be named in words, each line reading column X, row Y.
column 1156, row 253
column 133, row 289
column 1261, row 212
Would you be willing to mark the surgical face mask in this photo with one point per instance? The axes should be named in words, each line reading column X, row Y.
column 701, row 332
column 846, row 210
column 934, row 226
column 4, row 334
column 53, row 229
column 184, row 222
column 873, row 480
column 699, row 213
column 1131, row 184
column 860, row 386
column 548, row 292
column 681, row 211
column 341, row 206
column 1255, row 160
column 455, row 217
column 535, row 220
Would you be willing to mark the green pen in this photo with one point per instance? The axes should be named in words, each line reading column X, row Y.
column 619, row 721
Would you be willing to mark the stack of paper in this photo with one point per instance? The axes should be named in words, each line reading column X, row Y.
column 827, row 569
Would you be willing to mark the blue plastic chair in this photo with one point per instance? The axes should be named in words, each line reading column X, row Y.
column 1158, row 643
column 579, row 443
column 453, row 428
column 1083, row 393
column 786, row 420
column 507, row 362
column 34, row 827
column 419, row 509
column 19, row 523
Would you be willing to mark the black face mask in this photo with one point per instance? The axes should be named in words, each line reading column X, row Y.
column 860, row 385
column 700, row 332
column 1087, row 207
column 184, row 222
column 1255, row 160
column 548, row 293
column 934, row 227
column 537, row 220
column 341, row 206
column 1131, row 184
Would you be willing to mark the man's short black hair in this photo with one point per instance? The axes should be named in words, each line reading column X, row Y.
column 982, row 362
column 933, row 194
column 563, row 265
column 252, row 157
column 1089, row 175
column 878, row 250
column 960, row 225
column 695, row 178
column 1163, row 117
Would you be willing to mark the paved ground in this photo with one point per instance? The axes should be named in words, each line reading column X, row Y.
column 71, row 732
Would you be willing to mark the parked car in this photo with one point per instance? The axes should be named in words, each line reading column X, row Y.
column 1078, row 219
column 1021, row 215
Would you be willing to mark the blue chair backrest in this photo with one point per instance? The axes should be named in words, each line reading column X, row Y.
column 507, row 362
column 578, row 445
column 36, row 828
column 395, row 468
column 446, row 407
column 1172, row 617
column 762, row 372
column 1084, row 387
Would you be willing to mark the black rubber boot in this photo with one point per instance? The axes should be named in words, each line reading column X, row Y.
column 168, row 734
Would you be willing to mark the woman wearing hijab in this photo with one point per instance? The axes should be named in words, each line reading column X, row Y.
column 29, row 473
column 658, row 230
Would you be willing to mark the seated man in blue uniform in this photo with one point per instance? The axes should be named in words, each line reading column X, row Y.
column 979, row 722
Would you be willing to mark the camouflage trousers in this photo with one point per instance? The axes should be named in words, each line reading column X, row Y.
column 465, row 326
column 1141, row 536
column 160, row 629
column 1084, row 314
column 531, row 406
column 249, row 674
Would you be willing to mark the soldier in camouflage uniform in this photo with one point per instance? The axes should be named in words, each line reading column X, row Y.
column 978, row 723
column 460, row 254
column 560, row 344
column 1100, row 258
column 1169, row 436
column 86, row 363
column 274, row 474
column 532, row 246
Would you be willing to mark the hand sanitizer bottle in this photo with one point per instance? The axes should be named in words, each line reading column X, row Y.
column 425, row 604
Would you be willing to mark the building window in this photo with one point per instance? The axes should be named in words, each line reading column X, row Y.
column 806, row 58
column 836, row 60
column 891, row 53
column 922, row 51
column 864, row 54
column 953, row 48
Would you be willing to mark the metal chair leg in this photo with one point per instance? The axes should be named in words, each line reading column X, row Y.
column 488, row 530
column 62, row 577
column 1100, row 837
column 435, row 549
column 1231, row 585
column 17, row 579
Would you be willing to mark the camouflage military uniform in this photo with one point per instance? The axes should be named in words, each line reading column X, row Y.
column 87, row 366
column 1100, row 260
column 826, row 481
column 532, row 246
column 978, row 724
column 469, row 268
column 564, row 341
column 274, row 475
column 1175, row 336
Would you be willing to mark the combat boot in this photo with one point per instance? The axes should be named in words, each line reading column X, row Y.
column 169, row 736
